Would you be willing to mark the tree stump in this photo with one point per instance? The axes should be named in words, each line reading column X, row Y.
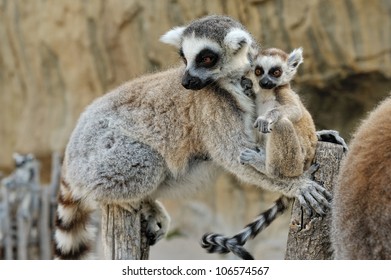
column 308, row 237
column 124, row 233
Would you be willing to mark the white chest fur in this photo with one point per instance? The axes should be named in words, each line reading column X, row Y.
column 265, row 101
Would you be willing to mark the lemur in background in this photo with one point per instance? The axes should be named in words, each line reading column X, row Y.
column 361, row 212
column 167, row 133
column 285, row 133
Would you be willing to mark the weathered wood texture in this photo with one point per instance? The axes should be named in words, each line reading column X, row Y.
column 123, row 233
column 308, row 237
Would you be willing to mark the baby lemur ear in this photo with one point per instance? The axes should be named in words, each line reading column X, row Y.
column 237, row 38
column 295, row 58
column 174, row 36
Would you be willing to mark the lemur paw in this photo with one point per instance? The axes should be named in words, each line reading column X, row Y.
column 249, row 156
column 246, row 83
column 157, row 220
column 331, row 136
column 247, row 86
column 314, row 197
column 264, row 125
column 154, row 232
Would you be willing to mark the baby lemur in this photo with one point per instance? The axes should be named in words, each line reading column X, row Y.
column 287, row 139
column 286, row 127
column 165, row 134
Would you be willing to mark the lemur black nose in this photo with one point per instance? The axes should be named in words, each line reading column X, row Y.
column 266, row 84
column 191, row 82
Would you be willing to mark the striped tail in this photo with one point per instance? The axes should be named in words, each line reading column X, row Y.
column 217, row 243
column 73, row 234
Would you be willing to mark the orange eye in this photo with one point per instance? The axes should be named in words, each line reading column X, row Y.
column 277, row 73
column 258, row 71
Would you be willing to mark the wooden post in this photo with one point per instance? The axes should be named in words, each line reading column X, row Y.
column 308, row 237
column 123, row 233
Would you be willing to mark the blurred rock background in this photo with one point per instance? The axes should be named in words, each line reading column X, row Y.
column 57, row 56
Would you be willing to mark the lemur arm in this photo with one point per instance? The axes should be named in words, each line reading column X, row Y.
column 290, row 108
column 234, row 139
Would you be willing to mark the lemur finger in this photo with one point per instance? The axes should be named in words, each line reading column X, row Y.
column 245, row 158
column 324, row 191
column 312, row 169
column 265, row 127
column 314, row 203
column 304, row 205
column 322, row 200
column 247, row 155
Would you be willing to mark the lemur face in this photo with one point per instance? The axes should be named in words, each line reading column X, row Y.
column 215, row 49
column 203, row 60
column 274, row 67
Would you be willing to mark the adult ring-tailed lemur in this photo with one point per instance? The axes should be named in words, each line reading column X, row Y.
column 167, row 133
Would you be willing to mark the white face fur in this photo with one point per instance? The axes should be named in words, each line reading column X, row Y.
column 208, row 61
column 273, row 70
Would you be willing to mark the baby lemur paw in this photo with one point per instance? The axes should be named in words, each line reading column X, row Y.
column 263, row 124
column 157, row 220
column 249, row 156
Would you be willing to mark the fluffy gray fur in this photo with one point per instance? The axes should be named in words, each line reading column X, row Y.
column 151, row 138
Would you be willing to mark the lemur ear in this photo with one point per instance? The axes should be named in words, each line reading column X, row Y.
column 173, row 37
column 18, row 158
column 295, row 58
column 237, row 38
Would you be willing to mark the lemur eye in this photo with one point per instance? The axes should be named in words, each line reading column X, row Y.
column 184, row 60
column 207, row 59
column 276, row 72
column 259, row 71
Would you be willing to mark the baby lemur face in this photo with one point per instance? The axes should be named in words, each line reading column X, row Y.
column 215, row 49
column 274, row 67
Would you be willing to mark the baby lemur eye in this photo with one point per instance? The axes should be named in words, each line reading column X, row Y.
column 259, row 71
column 275, row 72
